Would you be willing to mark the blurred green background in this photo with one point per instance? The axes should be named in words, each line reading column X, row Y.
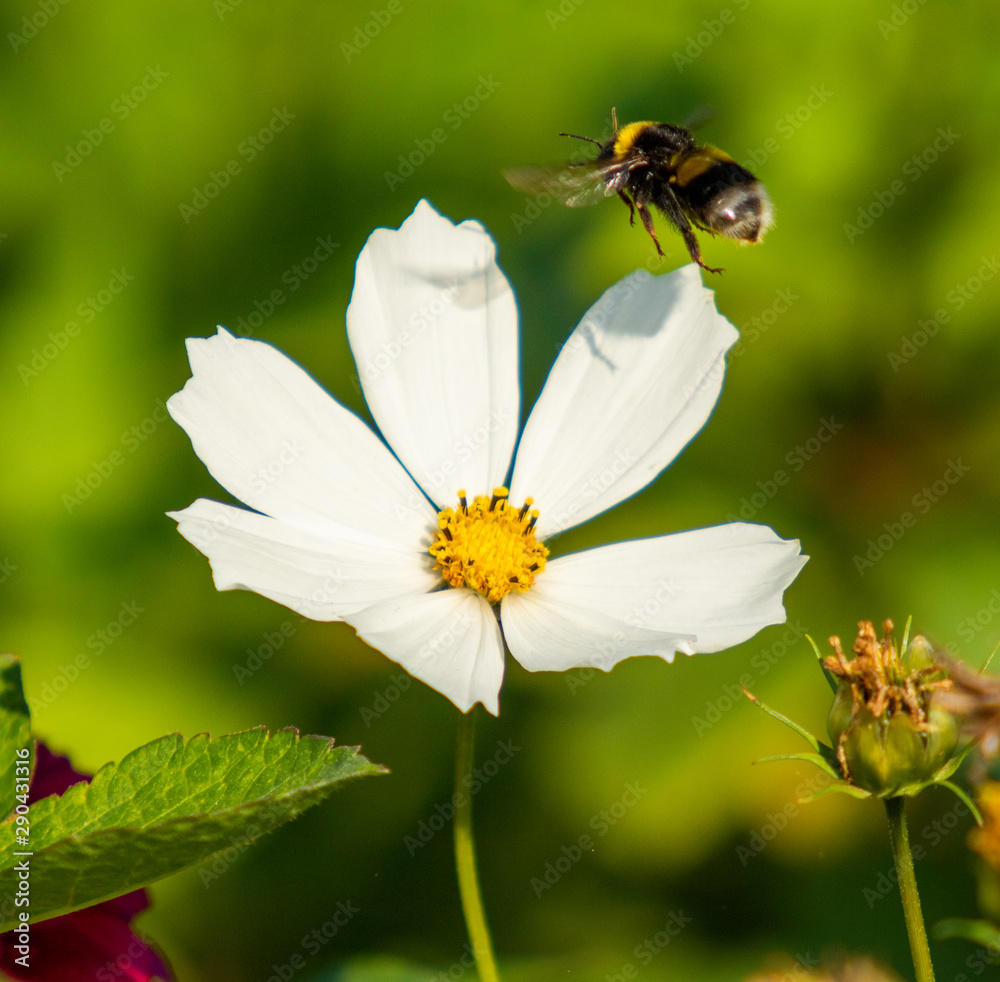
column 872, row 306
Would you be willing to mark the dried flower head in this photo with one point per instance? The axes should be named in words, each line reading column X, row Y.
column 887, row 733
column 880, row 680
column 891, row 735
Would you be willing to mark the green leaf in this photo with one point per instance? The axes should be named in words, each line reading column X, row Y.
column 827, row 674
column 169, row 806
column 15, row 729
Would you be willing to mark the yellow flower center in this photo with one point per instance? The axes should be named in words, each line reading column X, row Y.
column 488, row 545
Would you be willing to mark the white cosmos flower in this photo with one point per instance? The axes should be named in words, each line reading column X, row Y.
column 343, row 525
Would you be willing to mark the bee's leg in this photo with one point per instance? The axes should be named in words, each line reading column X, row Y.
column 631, row 207
column 671, row 207
column 694, row 250
column 647, row 224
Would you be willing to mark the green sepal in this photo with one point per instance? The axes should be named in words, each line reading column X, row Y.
column 842, row 787
column 952, row 764
column 818, row 759
column 964, row 798
column 956, row 761
column 906, row 634
column 978, row 932
column 805, row 734
column 986, row 664
column 827, row 674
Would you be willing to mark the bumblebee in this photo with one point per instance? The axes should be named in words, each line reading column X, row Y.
column 694, row 185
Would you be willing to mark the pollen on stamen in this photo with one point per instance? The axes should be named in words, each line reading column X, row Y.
column 488, row 545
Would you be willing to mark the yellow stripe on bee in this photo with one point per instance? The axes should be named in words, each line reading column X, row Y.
column 696, row 165
column 716, row 154
column 627, row 136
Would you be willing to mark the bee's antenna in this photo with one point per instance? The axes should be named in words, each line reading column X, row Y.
column 589, row 139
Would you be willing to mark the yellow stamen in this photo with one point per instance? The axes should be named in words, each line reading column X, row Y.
column 488, row 545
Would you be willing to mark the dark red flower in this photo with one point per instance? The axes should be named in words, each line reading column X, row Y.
column 96, row 944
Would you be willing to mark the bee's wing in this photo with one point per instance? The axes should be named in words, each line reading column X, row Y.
column 574, row 185
column 699, row 117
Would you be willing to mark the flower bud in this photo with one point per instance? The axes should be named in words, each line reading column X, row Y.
column 891, row 753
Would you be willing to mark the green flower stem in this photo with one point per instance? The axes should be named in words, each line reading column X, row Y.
column 465, row 853
column 900, row 838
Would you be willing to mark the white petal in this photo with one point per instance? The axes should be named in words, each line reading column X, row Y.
column 696, row 591
column 320, row 577
column 272, row 437
column 550, row 634
column 433, row 326
column 633, row 384
column 449, row 639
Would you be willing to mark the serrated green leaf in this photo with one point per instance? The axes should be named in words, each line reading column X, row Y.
column 15, row 728
column 168, row 806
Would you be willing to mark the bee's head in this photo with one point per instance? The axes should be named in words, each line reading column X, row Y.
column 741, row 211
